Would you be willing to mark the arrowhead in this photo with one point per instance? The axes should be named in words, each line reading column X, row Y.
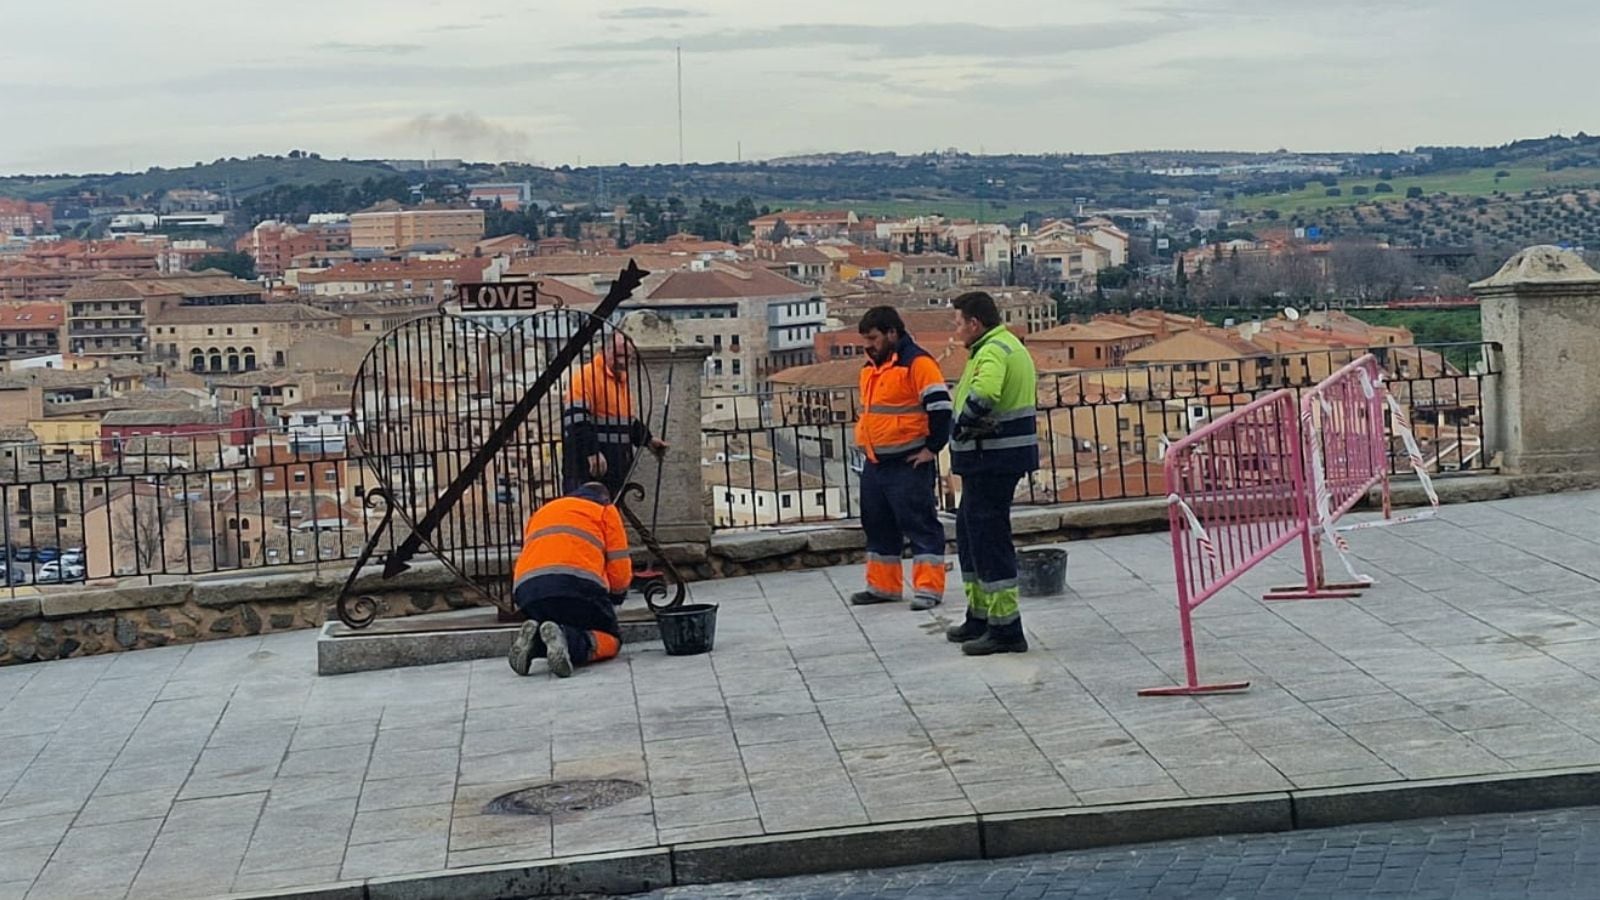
column 393, row 567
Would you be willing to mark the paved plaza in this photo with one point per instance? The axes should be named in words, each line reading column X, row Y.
column 230, row 766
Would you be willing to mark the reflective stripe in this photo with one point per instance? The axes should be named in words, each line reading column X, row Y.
column 884, row 410
column 1006, row 619
column 1000, row 443
column 610, row 437
column 931, row 559
column 1026, row 412
column 882, row 558
column 938, row 405
column 934, row 389
column 573, row 571
column 569, row 531
column 978, row 406
column 614, row 555
column 994, row 587
column 901, row 448
column 977, row 613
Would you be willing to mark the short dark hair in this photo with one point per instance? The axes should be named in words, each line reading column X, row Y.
column 978, row 305
column 884, row 319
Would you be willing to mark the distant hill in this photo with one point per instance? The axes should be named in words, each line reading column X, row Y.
column 241, row 176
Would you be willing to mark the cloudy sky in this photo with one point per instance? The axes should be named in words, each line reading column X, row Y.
column 101, row 86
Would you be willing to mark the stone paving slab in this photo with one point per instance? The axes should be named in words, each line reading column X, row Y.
column 229, row 766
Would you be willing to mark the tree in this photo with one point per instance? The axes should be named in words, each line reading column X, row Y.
column 1383, row 187
column 917, row 245
column 780, row 231
column 1413, row 193
column 1333, row 192
column 239, row 265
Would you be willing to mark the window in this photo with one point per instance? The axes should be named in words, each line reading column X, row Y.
column 269, row 478
column 736, row 367
column 1227, row 367
column 332, row 475
column 716, row 367
column 787, row 501
column 819, row 498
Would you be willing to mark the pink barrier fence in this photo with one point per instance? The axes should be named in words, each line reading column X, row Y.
column 1237, row 496
column 1346, row 452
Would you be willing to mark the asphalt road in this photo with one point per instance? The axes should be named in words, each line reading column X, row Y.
column 1547, row 854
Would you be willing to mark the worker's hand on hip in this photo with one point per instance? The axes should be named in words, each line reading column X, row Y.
column 597, row 465
column 658, row 446
column 922, row 457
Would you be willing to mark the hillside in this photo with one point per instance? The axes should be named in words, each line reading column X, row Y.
column 241, row 176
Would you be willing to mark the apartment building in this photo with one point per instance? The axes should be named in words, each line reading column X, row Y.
column 274, row 245
column 433, row 278
column 755, row 321
column 30, row 329
column 390, row 229
column 29, row 282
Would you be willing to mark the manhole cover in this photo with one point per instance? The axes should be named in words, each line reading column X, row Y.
column 564, row 797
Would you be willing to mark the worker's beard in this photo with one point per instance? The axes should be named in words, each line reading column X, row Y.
column 878, row 357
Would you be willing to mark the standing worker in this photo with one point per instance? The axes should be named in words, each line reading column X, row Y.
column 995, row 443
column 599, row 424
column 905, row 422
column 573, row 568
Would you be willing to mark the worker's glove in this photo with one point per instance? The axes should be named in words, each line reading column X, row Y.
column 971, row 431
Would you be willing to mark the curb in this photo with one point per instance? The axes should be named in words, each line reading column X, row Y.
column 985, row 836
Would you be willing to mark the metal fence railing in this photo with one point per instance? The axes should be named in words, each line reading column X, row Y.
column 788, row 457
column 172, row 507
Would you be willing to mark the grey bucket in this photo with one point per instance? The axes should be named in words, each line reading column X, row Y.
column 688, row 629
column 1041, row 573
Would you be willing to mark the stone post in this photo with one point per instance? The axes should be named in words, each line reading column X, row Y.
column 682, row 518
column 1543, row 411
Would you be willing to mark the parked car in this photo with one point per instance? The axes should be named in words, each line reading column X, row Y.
column 23, row 554
column 47, row 554
column 72, row 555
column 13, row 575
column 57, row 572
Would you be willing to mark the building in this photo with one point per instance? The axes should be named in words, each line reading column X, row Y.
column 756, row 322
column 20, row 217
column 30, row 329
column 811, row 223
column 371, row 315
column 1205, row 360
column 29, row 282
column 510, row 196
column 234, row 427
column 117, row 257
column 433, row 278
column 391, row 229
column 747, row 493
column 107, row 316
column 274, row 245
column 236, row 338
column 1089, row 345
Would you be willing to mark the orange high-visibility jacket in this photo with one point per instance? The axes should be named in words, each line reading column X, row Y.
column 905, row 405
column 574, row 547
column 599, row 413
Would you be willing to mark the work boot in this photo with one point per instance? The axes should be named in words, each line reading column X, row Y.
column 992, row 643
column 867, row 598
column 921, row 602
column 521, row 654
column 556, row 652
column 970, row 630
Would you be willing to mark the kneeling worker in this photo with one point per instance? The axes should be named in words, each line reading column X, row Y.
column 571, row 575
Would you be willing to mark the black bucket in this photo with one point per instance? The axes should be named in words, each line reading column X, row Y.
column 1041, row 573
column 689, row 629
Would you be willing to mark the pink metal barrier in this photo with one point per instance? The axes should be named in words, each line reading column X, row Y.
column 1346, row 452
column 1237, row 496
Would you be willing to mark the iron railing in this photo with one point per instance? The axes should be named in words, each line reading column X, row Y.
column 788, row 457
column 172, row 507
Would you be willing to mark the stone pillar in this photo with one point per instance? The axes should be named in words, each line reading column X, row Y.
column 1543, row 411
column 682, row 518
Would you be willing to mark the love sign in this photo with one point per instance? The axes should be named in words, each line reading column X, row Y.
column 481, row 297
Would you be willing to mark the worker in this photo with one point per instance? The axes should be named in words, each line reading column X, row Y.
column 994, row 444
column 600, row 426
column 904, row 423
column 570, row 577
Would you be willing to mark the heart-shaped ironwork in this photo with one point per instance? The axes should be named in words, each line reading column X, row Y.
column 431, row 392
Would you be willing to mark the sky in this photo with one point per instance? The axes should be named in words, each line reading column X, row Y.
column 116, row 86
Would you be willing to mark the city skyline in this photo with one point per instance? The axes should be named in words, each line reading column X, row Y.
column 567, row 83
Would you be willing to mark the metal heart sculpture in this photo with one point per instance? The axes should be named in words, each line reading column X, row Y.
column 434, row 394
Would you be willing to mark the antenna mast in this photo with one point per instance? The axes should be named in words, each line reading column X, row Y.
column 680, row 104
